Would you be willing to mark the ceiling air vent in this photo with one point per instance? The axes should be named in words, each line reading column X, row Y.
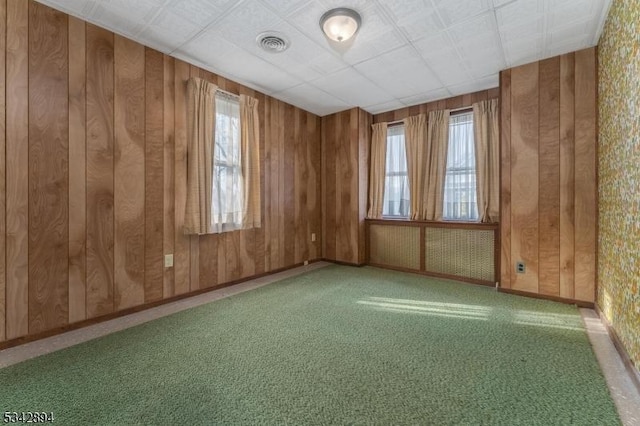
column 272, row 42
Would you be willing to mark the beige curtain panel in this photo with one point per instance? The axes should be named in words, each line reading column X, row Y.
column 487, row 143
column 200, row 127
column 378, row 170
column 250, row 157
column 415, row 134
column 436, row 164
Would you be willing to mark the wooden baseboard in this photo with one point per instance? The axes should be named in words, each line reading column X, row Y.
column 434, row 274
column 633, row 372
column 579, row 303
column 92, row 321
column 339, row 262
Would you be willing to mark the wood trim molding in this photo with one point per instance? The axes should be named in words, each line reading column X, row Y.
column 579, row 303
column 92, row 321
column 633, row 372
column 433, row 224
column 434, row 274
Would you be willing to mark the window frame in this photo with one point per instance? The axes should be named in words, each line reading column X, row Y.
column 471, row 170
column 395, row 174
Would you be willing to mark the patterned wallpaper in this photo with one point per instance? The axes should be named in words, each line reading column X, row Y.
column 619, row 173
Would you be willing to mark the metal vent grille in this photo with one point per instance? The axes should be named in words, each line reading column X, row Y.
column 395, row 246
column 461, row 252
column 272, row 42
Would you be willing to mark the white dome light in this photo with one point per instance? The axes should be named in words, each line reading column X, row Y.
column 340, row 24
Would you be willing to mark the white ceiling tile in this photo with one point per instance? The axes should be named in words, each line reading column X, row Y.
column 285, row 7
column 169, row 30
column 115, row 18
column 485, row 83
column 356, row 5
column 454, row 11
column 411, row 50
column 384, row 107
column 562, row 13
column 254, row 18
column 519, row 12
column 401, row 72
column 307, row 20
column 534, row 27
column 416, row 18
column 434, row 95
column 480, row 26
column 200, row 12
column 312, row 99
column 351, row 87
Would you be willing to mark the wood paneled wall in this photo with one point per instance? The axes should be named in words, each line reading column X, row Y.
column 94, row 182
column 461, row 101
column 346, row 137
column 548, row 176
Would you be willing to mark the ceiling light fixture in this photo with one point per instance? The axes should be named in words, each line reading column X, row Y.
column 340, row 24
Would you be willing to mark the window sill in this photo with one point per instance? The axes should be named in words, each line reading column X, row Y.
column 432, row 223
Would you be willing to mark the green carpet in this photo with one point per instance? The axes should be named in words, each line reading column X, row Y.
column 338, row 345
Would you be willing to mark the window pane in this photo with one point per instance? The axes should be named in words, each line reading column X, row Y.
column 460, row 182
column 227, row 172
column 396, row 185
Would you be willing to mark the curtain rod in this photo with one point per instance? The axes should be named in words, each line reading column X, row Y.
column 233, row 95
column 467, row 108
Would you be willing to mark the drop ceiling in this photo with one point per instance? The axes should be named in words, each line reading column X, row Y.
column 407, row 51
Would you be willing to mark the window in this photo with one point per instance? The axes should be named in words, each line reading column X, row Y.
column 227, row 171
column 460, row 181
column 396, row 184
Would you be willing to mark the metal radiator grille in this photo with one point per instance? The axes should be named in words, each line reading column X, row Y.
column 462, row 252
column 395, row 246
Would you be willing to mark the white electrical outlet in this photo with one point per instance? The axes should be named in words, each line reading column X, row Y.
column 168, row 260
column 313, row 237
column 306, row 262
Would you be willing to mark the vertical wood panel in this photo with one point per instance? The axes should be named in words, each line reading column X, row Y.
column 154, row 179
column 194, row 240
column 364, row 138
column 77, row 171
column 549, row 202
column 17, row 168
column 506, row 266
column 329, row 185
column 92, row 177
column 585, row 167
column 3, row 229
column 260, row 232
column 129, row 182
column 314, row 211
column 281, row 173
column 524, row 175
column 182, row 245
column 291, row 132
column 48, row 169
column 300, row 183
column 169, row 177
column 268, row 186
column 100, row 145
column 247, row 236
column 567, row 180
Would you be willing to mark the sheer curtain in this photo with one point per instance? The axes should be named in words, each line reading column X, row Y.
column 227, row 200
column 460, row 181
column 396, row 188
